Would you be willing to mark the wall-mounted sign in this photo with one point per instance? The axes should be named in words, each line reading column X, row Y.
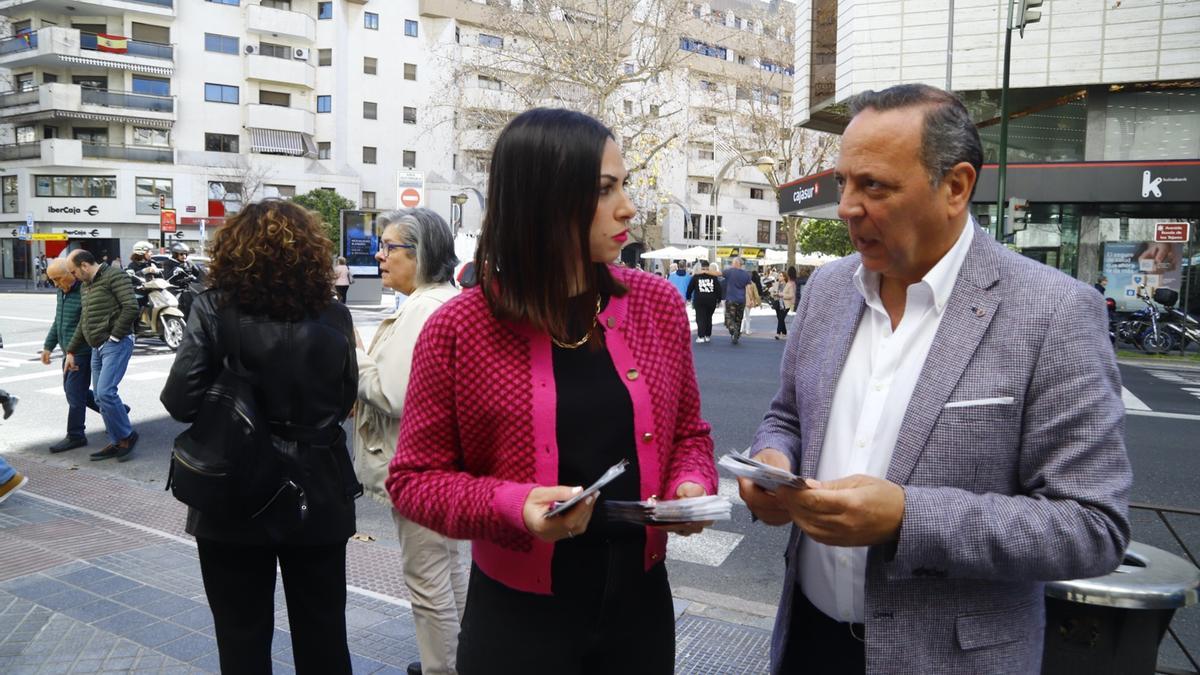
column 91, row 210
column 46, row 236
column 1171, row 232
column 410, row 188
column 177, row 235
column 84, row 232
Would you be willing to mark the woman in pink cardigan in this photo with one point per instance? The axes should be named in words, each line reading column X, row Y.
column 528, row 386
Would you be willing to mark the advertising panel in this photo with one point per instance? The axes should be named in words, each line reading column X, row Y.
column 360, row 241
column 1133, row 264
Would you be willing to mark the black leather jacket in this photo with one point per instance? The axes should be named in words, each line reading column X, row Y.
column 308, row 379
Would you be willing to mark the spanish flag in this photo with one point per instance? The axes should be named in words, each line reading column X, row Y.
column 116, row 44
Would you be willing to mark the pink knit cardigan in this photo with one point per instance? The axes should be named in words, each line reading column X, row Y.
column 478, row 432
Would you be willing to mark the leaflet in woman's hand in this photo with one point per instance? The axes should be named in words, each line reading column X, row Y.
column 608, row 477
column 763, row 475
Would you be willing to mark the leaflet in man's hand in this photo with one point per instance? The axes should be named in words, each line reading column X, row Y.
column 763, row 475
column 685, row 510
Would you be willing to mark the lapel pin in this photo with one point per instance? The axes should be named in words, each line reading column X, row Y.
column 979, row 311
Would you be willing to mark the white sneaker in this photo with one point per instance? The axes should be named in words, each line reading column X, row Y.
column 699, row 340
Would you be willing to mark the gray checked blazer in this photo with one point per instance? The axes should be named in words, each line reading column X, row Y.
column 999, row 498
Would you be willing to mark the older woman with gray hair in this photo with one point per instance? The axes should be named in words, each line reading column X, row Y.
column 416, row 257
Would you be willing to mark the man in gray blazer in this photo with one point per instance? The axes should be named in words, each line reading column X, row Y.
column 957, row 409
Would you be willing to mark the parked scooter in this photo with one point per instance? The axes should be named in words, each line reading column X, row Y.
column 159, row 315
column 1183, row 327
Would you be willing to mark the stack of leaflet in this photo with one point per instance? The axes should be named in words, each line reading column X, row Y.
column 765, row 476
column 686, row 510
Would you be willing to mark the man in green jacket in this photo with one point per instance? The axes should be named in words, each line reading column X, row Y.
column 77, row 384
column 106, row 325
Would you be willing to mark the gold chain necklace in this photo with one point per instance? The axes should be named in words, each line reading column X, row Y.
column 583, row 340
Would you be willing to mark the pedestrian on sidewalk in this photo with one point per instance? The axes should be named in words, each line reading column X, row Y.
column 754, row 296
column 958, row 453
column 555, row 367
column 705, row 292
column 299, row 345
column 416, row 258
column 680, row 278
column 106, row 326
column 77, row 383
column 785, row 301
column 736, row 281
column 10, row 480
column 342, row 278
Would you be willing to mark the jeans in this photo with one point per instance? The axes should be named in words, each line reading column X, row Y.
column 781, row 313
column 77, row 384
column 6, row 471
column 109, row 361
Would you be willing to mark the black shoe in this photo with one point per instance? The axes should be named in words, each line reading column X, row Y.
column 125, row 447
column 108, row 452
column 735, row 339
column 7, row 403
column 69, row 443
column 414, row 668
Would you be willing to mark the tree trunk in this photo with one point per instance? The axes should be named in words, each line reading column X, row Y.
column 792, row 224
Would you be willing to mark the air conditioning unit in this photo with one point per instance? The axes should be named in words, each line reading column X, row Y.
column 300, row 53
column 251, row 49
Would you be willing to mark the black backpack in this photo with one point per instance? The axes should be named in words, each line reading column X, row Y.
column 225, row 464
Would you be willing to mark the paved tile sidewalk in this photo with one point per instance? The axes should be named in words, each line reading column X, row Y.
column 85, row 589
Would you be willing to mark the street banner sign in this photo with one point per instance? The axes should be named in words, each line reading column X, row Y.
column 747, row 252
column 49, row 236
column 1172, row 232
column 166, row 220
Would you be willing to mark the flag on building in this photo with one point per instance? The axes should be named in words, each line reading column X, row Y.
column 116, row 44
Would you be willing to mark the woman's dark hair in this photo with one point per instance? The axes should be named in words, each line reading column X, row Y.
column 272, row 259
column 791, row 273
column 542, row 192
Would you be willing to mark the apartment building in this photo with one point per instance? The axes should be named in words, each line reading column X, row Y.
column 110, row 107
column 1104, row 130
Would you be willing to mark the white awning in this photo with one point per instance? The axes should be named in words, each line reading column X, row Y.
column 123, row 65
column 277, row 141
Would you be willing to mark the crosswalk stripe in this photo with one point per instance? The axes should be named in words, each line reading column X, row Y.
column 1132, row 402
column 710, row 547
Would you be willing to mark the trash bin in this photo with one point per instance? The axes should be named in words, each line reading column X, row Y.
column 1114, row 623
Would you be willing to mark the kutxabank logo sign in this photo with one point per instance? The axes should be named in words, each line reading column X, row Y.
column 1152, row 185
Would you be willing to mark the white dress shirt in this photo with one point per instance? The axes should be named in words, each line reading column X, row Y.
column 868, row 408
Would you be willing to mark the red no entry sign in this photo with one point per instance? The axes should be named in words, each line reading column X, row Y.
column 410, row 198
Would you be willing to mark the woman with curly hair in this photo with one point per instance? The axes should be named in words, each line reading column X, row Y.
column 270, row 280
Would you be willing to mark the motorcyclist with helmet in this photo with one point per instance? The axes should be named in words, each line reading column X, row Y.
column 179, row 261
column 139, row 258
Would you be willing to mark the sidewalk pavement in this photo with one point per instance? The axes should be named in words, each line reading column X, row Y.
column 19, row 286
column 97, row 575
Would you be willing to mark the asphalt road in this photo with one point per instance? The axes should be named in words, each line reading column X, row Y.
column 739, row 559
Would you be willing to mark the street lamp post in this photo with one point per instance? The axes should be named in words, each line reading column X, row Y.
column 456, row 204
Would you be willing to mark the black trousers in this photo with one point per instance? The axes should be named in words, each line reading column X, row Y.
column 819, row 644
column 621, row 622
column 240, row 584
column 781, row 313
column 341, row 293
column 704, row 314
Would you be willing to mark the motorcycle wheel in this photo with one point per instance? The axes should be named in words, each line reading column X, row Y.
column 172, row 331
column 1156, row 343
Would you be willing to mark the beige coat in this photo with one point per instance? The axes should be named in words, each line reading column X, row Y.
column 383, row 372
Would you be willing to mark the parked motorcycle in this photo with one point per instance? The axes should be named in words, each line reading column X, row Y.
column 1183, row 327
column 159, row 315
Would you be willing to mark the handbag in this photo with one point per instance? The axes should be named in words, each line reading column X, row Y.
column 225, row 465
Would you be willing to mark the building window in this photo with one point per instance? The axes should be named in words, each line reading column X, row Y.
column 220, row 93
column 486, row 82
column 410, row 28
column 324, row 104
column 691, row 229
column 712, row 227
column 324, row 57
column 704, row 188
column 756, row 193
column 75, row 186
column 324, row 150
column 221, row 142
column 224, row 197
column 88, row 135
column 155, row 86
column 370, row 65
column 278, row 4
column 147, row 192
column 628, row 107
column 8, row 187
column 324, row 10
column 369, row 155
column 410, row 115
column 780, row 233
column 654, row 110
column 367, row 201
column 764, row 231
column 151, row 136
column 223, row 44
column 370, row 110
column 410, row 71
column 226, row 2
column 492, row 41
column 704, row 151
column 26, row 134
column 279, row 191
column 275, row 98
column 409, row 159
column 370, row 21
column 274, row 51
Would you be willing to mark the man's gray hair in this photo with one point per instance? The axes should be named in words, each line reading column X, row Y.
column 948, row 135
column 432, row 239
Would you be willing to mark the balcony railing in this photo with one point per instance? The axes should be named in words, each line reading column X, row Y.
column 20, row 151
column 126, row 99
column 161, row 3
column 19, row 43
column 152, row 50
column 14, row 98
column 128, row 152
